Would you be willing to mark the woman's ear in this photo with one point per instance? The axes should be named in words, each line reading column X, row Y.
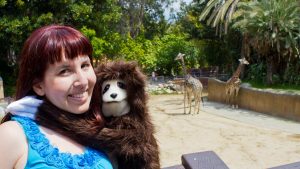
column 38, row 88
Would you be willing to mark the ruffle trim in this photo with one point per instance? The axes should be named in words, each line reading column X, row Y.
column 52, row 155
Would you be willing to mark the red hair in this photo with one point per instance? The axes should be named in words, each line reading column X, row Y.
column 45, row 46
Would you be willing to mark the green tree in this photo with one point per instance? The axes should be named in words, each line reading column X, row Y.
column 218, row 13
column 222, row 51
column 167, row 49
column 273, row 28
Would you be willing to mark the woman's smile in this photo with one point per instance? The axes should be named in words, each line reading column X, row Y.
column 70, row 84
column 79, row 97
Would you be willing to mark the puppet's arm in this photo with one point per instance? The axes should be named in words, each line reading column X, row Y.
column 122, row 141
column 127, row 143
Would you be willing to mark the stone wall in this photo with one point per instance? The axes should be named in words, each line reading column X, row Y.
column 274, row 103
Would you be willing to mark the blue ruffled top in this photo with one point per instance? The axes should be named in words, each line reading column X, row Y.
column 41, row 154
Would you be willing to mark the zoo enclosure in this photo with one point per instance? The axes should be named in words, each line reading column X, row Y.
column 278, row 104
column 202, row 74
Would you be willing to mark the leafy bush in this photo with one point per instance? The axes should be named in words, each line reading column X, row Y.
column 256, row 72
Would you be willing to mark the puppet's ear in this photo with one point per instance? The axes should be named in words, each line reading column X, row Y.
column 39, row 88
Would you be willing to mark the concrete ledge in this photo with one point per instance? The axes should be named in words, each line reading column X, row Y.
column 288, row 166
column 175, row 167
column 200, row 160
column 203, row 160
column 277, row 104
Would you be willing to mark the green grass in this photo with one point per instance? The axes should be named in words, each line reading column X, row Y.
column 282, row 87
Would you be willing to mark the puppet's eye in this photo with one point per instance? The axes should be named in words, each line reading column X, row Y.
column 121, row 85
column 106, row 88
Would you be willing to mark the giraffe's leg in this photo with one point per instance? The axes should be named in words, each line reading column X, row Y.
column 232, row 98
column 184, row 100
column 201, row 98
column 230, row 93
column 236, row 97
column 197, row 107
column 226, row 95
column 189, row 97
column 195, row 103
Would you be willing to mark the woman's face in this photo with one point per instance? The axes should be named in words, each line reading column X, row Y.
column 69, row 84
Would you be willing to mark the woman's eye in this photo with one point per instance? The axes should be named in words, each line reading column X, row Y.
column 64, row 72
column 85, row 65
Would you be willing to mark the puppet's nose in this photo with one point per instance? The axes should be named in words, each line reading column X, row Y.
column 114, row 95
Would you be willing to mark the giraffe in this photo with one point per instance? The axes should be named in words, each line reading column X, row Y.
column 232, row 85
column 191, row 86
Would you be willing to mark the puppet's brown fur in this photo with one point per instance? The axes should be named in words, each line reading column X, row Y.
column 129, row 137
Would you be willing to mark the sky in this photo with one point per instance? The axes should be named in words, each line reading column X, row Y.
column 175, row 6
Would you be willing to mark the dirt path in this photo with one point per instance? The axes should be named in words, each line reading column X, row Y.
column 242, row 139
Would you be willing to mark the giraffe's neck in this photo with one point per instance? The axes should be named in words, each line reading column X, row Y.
column 184, row 68
column 237, row 73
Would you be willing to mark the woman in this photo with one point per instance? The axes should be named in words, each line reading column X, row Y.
column 56, row 67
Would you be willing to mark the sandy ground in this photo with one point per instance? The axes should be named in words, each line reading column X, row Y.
column 242, row 139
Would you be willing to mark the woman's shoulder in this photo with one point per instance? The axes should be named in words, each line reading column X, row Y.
column 13, row 143
column 12, row 135
column 11, row 131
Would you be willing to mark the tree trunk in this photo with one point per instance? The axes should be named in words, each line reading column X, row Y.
column 270, row 64
column 245, row 51
column 286, row 73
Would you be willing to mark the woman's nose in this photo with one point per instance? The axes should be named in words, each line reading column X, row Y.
column 81, row 80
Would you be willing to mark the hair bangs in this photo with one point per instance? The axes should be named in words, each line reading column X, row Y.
column 77, row 47
column 66, row 43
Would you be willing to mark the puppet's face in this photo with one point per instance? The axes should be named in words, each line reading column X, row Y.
column 114, row 96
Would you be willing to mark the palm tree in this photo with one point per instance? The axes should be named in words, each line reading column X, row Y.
column 273, row 27
column 218, row 12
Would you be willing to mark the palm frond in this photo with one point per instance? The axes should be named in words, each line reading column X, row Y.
column 220, row 11
column 274, row 24
column 209, row 6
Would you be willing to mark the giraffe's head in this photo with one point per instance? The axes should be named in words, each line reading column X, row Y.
column 243, row 61
column 179, row 56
